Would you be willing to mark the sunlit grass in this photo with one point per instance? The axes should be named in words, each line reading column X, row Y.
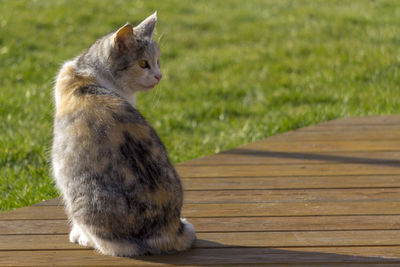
column 234, row 72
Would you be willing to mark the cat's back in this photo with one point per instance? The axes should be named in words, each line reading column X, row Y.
column 93, row 115
column 99, row 134
column 79, row 93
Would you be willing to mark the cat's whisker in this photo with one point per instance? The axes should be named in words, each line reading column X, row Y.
column 156, row 97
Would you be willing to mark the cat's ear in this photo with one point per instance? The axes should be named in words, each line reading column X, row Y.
column 147, row 26
column 123, row 37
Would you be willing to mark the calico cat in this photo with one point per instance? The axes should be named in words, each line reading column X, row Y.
column 121, row 193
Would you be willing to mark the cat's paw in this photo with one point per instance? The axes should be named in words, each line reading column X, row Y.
column 77, row 236
column 74, row 234
column 84, row 241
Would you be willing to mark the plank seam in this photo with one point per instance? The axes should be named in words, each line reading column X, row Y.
column 292, row 176
column 240, row 231
column 215, row 217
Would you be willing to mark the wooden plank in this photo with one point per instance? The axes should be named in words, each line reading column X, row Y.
column 230, row 239
column 36, row 242
column 50, row 202
column 369, row 120
column 352, row 264
column 286, row 170
column 287, row 195
column 259, row 157
column 299, row 195
column 19, row 227
column 389, row 207
column 301, row 182
column 295, row 182
column 307, row 223
column 325, row 146
column 35, row 213
column 291, row 209
column 366, row 256
column 357, row 129
column 324, row 134
column 227, row 224
column 299, row 239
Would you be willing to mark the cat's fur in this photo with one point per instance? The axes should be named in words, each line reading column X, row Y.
column 121, row 193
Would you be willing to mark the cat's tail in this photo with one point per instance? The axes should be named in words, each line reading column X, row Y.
column 186, row 234
column 176, row 241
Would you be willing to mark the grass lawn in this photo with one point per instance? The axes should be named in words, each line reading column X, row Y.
column 234, row 71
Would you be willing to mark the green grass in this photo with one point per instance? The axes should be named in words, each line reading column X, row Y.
column 234, row 72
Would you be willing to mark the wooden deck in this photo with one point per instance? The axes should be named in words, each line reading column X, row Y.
column 322, row 195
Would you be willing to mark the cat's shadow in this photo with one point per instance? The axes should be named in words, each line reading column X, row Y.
column 216, row 253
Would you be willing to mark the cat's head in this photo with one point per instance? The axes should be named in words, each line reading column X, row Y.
column 135, row 58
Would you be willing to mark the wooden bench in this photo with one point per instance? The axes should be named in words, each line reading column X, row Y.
column 321, row 195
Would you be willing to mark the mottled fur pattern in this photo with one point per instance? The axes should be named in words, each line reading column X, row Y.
column 121, row 193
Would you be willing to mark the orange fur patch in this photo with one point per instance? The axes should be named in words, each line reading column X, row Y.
column 67, row 81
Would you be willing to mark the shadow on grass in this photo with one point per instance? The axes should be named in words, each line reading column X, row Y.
column 212, row 253
column 314, row 156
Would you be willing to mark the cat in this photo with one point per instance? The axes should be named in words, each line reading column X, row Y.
column 121, row 193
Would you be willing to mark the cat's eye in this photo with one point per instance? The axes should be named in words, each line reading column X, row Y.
column 158, row 62
column 144, row 64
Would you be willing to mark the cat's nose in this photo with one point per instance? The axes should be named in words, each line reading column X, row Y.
column 158, row 76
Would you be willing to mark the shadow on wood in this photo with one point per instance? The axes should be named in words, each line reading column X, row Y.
column 255, row 255
column 314, row 156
